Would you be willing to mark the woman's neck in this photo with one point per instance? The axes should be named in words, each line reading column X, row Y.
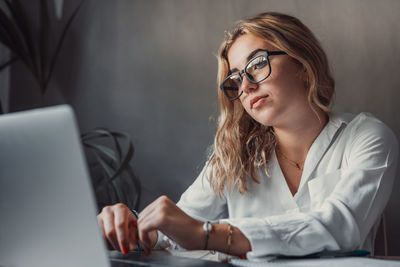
column 295, row 139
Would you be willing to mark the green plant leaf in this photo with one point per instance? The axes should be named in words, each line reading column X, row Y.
column 9, row 34
column 119, row 190
column 118, row 179
column 19, row 15
column 106, row 167
column 44, row 34
column 138, row 187
column 106, row 184
column 11, row 38
column 125, row 162
column 59, row 44
column 115, row 196
column 115, row 137
column 101, row 149
column 4, row 36
column 8, row 63
column 102, row 132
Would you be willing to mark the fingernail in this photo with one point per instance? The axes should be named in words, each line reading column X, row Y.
column 124, row 251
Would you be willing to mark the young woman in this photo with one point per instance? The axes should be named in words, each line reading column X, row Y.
column 286, row 175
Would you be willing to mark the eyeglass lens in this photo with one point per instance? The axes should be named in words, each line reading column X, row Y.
column 256, row 70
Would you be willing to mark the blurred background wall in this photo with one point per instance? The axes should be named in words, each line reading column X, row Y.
column 148, row 68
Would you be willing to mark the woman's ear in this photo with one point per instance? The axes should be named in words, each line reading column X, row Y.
column 304, row 76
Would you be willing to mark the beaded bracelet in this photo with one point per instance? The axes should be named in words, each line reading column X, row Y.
column 137, row 217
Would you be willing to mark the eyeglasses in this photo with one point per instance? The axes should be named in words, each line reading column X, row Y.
column 256, row 70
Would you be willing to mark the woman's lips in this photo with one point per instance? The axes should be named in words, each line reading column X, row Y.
column 257, row 101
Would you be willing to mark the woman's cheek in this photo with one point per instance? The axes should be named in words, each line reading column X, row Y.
column 245, row 104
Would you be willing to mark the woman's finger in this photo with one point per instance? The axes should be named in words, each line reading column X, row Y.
column 133, row 235
column 121, row 221
column 147, row 227
column 109, row 227
column 101, row 224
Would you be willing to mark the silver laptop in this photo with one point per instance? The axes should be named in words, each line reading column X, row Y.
column 47, row 205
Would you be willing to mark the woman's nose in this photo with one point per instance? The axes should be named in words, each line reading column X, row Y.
column 247, row 86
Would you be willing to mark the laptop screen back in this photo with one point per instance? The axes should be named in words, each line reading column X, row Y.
column 47, row 207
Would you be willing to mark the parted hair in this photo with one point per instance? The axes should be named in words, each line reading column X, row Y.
column 242, row 146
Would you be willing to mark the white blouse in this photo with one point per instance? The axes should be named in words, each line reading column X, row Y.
column 345, row 185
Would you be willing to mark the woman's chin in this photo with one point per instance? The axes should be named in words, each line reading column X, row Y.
column 265, row 117
column 264, row 121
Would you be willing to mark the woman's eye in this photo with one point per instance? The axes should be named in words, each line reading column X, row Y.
column 258, row 64
column 261, row 64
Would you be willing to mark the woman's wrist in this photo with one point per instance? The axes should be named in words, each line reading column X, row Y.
column 207, row 227
column 197, row 237
column 227, row 239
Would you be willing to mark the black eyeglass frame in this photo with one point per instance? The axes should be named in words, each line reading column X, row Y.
column 266, row 54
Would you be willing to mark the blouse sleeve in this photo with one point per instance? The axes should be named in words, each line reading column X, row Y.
column 343, row 219
column 200, row 202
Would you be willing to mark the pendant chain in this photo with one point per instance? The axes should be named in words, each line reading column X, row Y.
column 292, row 162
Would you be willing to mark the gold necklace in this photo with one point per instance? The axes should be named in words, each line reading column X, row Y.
column 292, row 162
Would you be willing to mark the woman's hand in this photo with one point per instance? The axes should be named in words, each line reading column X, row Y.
column 165, row 216
column 119, row 227
column 122, row 230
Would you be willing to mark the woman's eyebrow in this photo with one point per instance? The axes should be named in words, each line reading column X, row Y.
column 250, row 56
column 254, row 52
column 233, row 70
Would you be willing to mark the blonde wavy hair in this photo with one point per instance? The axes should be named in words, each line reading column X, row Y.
column 242, row 145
